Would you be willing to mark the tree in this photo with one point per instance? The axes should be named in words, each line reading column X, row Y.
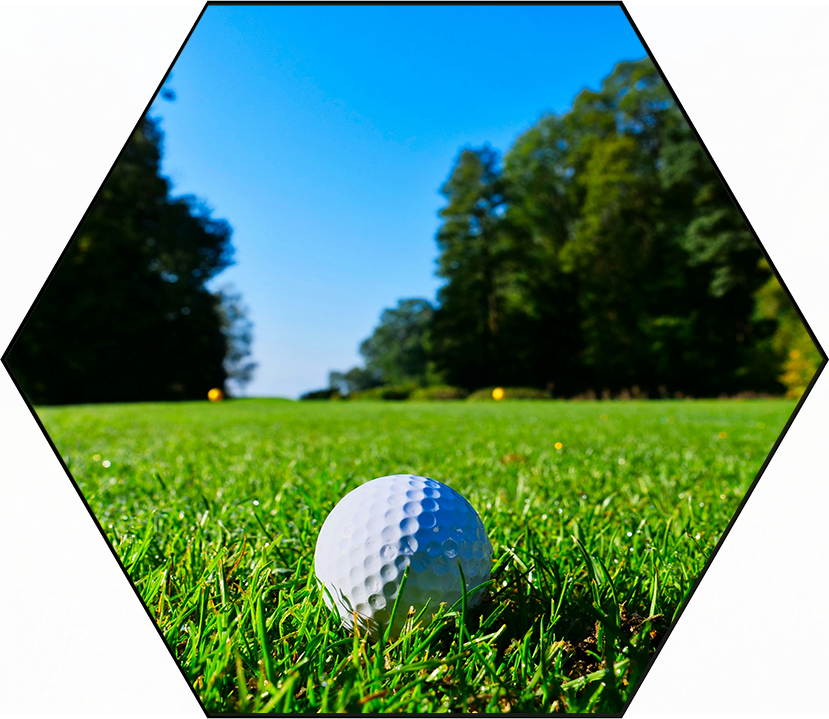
column 794, row 51
column 614, row 249
column 398, row 350
column 238, row 332
column 604, row 254
column 357, row 379
column 543, row 331
column 627, row 207
column 468, row 319
column 127, row 314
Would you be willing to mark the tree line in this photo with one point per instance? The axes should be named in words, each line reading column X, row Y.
column 128, row 315
column 600, row 254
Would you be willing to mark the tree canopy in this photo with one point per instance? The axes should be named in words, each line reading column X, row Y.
column 398, row 350
column 602, row 254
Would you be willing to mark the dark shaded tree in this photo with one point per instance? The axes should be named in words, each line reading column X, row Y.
column 542, row 334
column 467, row 322
column 640, row 234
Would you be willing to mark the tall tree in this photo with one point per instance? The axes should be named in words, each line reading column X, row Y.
column 661, row 265
column 544, row 330
column 398, row 350
column 605, row 253
column 127, row 314
column 467, row 323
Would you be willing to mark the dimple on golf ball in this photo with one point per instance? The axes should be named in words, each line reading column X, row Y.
column 386, row 525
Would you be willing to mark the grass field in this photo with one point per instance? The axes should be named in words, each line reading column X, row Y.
column 601, row 514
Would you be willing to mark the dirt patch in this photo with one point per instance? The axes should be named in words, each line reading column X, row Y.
column 583, row 648
column 513, row 457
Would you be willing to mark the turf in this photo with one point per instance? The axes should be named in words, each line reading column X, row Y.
column 601, row 515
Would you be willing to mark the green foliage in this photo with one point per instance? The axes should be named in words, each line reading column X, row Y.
column 392, row 392
column 438, row 392
column 661, row 271
column 601, row 516
column 386, row 392
column 472, row 243
column 329, row 393
column 485, row 394
column 127, row 314
column 357, row 379
column 605, row 254
column 398, row 350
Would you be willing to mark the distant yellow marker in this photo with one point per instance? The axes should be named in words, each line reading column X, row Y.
column 558, row 445
column 215, row 395
column 498, row 393
column 723, row 435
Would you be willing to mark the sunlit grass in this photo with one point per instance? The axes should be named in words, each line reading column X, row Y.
column 601, row 514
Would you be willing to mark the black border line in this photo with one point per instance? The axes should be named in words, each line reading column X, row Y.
column 724, row 182
column 691, row 592
column 5, row 355
column 439, row 714
column 5, row 363
column 824, row 361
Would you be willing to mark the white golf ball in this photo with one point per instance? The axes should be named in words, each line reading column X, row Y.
column 391, row 523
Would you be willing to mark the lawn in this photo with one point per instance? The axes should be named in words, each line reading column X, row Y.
column 601, row 515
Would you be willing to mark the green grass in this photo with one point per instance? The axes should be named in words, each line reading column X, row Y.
column 214, row 511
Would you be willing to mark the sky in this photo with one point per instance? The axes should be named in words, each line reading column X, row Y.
column 323, row 134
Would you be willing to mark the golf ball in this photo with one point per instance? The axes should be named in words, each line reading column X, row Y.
column 386, row 525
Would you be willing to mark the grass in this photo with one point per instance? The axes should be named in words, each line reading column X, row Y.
column 601, row 515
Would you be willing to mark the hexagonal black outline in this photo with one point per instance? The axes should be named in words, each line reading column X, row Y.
column 823, row 361
column 4, row 360
column 696, row 582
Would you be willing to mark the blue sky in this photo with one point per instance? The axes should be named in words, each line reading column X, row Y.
column 324, row 133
